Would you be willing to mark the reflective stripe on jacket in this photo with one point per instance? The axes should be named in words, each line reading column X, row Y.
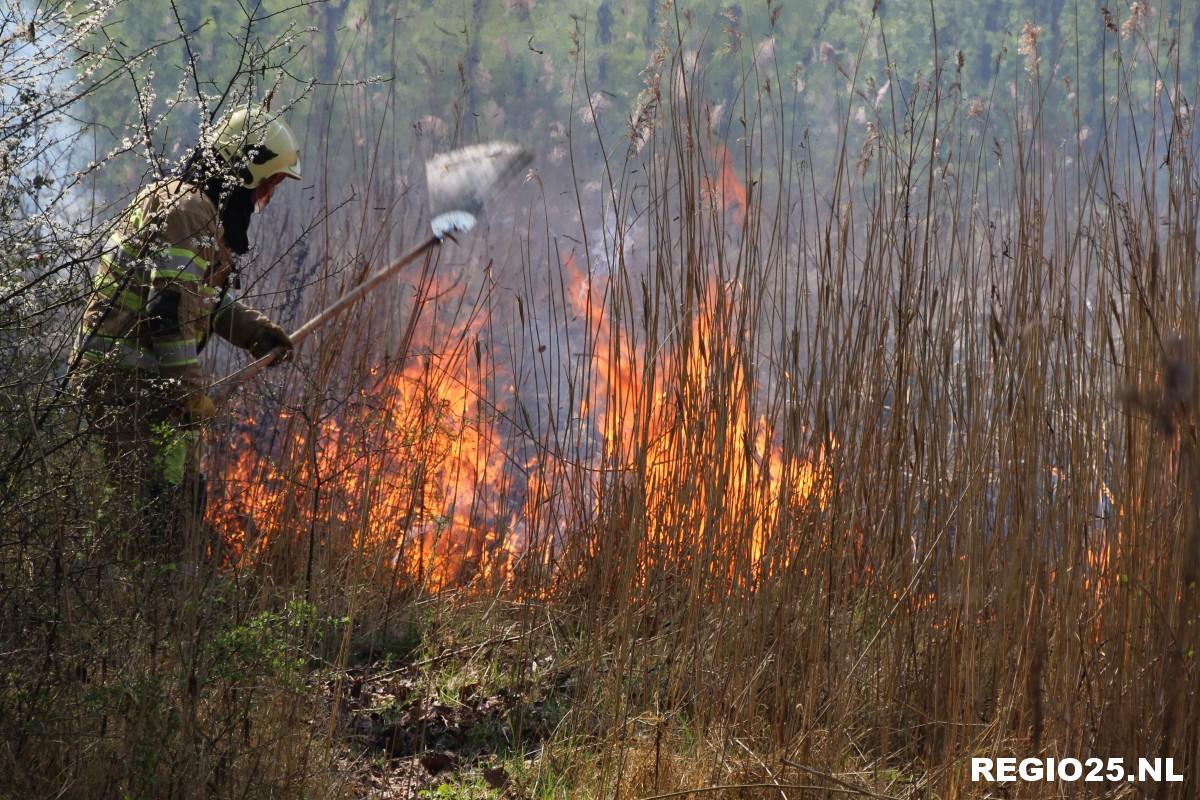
column 166, row 253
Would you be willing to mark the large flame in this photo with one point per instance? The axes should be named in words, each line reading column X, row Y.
column 414, row 466
column 725, row 187
column 417, row 468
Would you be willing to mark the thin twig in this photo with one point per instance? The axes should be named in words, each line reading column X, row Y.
column 733, row 786
column 828, row 776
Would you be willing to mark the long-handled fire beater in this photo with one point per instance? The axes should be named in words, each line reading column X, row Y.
column 460, row 184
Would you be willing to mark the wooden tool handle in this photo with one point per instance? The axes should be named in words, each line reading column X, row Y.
column 225, row 387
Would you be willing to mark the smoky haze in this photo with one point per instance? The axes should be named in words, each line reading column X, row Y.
column 827, row 381
column 703, row 173
column 789, row 111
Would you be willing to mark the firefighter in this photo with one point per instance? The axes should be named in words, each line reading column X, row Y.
column 162, row 286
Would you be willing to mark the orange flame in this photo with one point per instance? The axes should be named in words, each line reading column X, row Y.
column 416, row 470
column 726, row 186
column 655, row 435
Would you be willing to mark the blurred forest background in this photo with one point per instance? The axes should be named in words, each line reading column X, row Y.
column 381, row 75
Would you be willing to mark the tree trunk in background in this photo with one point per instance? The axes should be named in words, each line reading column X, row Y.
column 334, row 13
column 604, row 23
column 475, row 35
column 651, row 29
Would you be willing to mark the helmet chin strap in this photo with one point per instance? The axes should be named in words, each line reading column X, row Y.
column 263, row 192
column 262, row 196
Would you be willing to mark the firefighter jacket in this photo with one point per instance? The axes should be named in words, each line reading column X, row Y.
column 158, row 291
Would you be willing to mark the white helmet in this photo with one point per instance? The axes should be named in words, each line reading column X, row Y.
column 257, row 143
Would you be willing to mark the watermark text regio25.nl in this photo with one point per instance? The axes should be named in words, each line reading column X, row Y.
column 1069, row 770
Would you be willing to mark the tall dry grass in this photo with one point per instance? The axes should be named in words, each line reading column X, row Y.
column 866, row 465
column 973, row 345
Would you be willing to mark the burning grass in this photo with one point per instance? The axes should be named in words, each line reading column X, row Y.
column 813, row 475
column 828, row 461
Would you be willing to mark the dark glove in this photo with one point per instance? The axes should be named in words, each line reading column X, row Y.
column 251, row 330
column 271, row 337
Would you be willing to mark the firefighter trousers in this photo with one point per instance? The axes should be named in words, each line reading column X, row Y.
column 153, row 491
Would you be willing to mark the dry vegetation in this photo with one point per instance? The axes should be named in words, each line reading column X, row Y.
column 798, row 480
